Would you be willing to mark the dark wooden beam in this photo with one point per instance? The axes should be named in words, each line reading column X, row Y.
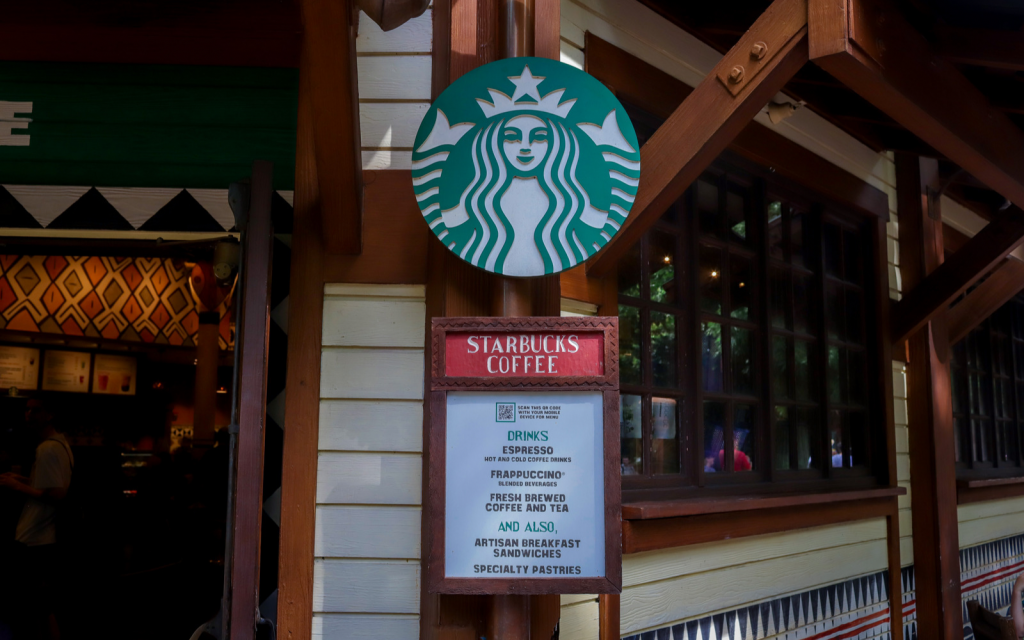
column 257, row 250
column 930, row 413
column 329, row 68
column 933, row 295
column 651, row 89
column 869, row 46
column 709, row 119
column 1005, row 281
column 981, row 47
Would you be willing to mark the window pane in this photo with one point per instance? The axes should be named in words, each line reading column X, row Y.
column 665, row 441
column 782, row 427
column 742, row 344
column 741, row 278
column 736, row 213
column 714, row 436
column 858, row 429
column 855, row 373
column 835, row 383
column 629, row 344
column 707, row 206
column 1009, row 443
column 834, row 314
column 835, row 432
column 1004, row 399
column 663, row 349
column 744, row 428
column 833, row 251
column 803, row 310
column 852, row 254
column 779, row 296
column 711, row 356
column 960, row 430
column 796, row 239
column 982, row 437
column 629, row 272
column 710, row 279
column 854, row 317
column 804, row 359
column 780, row 367
column 663, row 267
column 776, row 241
column 805, row 430
column 631, row 435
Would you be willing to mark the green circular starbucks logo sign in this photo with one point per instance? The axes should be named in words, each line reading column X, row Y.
column 525, row 167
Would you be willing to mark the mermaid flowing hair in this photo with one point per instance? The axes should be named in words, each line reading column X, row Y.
column 555, row 236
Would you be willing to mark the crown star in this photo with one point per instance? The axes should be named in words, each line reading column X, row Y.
column 526, row 85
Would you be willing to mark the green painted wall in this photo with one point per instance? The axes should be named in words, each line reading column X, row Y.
column 150, row 125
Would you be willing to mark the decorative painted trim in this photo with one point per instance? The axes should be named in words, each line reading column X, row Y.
column 854, row 609
column 43, row 207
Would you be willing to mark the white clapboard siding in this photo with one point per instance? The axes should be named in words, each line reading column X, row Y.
column 667, row 601
column 369, row 473
column 414, row 36
column 398, row 77
column 371, row 425
column 340, row 626
column 390, row 124
column 372, row 373
column 374, row 322
column 366, row 586
column 579, row 621
column 356, row 290
column 368, row 532
column 368, row 478
column 988, row 529
column 653, row 566
column 986, row 521
column 381, row 159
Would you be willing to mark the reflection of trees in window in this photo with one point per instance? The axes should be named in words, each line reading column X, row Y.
column 734, row 367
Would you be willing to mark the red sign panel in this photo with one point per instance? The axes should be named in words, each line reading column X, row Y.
column 534, row 354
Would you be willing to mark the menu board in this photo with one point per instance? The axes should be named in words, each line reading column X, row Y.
column 66, row 371
column 19, row 367
column 114, row 375
column 524, row 485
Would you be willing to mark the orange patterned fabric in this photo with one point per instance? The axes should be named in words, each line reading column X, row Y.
column 133, row 299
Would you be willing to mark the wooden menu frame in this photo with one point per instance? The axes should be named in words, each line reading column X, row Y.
column 441, row 384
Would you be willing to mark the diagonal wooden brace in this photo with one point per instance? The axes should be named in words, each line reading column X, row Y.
column 934, row 294
column 770, row 53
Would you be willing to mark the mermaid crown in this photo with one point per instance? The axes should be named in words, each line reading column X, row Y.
column 526, row 85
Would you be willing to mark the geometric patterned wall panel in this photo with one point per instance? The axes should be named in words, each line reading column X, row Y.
column 133, row 299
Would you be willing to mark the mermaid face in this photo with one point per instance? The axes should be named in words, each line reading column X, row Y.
column 525, row 144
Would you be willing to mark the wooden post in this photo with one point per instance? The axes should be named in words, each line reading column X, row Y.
column 257, row 241
column 930, row 412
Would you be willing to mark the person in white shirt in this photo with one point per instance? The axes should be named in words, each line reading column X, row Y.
column 36, row 533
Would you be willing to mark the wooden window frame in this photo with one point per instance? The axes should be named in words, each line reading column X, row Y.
column 763, row 151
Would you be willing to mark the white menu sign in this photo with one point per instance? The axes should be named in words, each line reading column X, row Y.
column 19, row 367
column 66, row 371
column 524, row 485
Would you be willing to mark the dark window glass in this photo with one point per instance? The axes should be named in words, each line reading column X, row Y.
column 724, row 380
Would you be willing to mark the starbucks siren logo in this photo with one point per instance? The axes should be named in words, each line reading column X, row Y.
column 525, row 167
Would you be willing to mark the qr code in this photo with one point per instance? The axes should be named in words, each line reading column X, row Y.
column 506, row 411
